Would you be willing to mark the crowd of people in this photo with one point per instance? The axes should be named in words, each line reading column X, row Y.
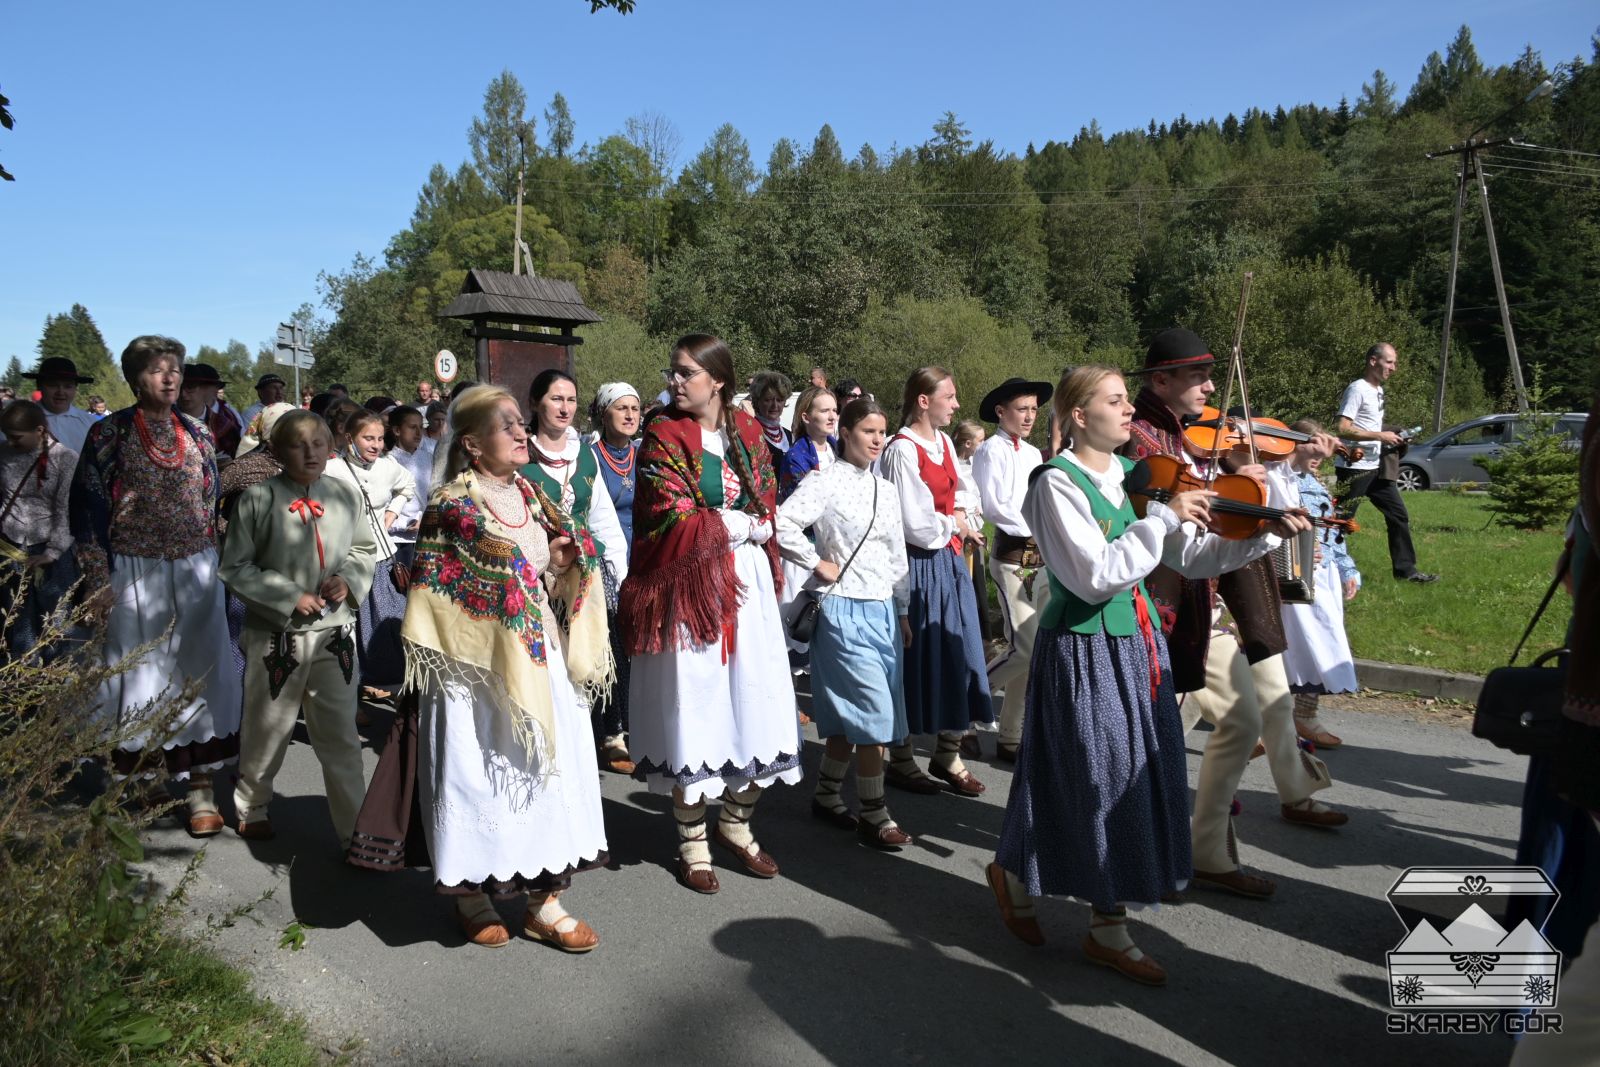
column 541, row 602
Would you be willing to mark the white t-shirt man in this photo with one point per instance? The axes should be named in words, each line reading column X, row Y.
column 1363, row 406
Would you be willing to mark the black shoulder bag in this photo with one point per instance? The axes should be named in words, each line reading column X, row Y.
column 1519, row 708
column 803, row 623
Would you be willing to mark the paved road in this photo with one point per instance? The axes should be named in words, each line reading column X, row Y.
column 853, row 956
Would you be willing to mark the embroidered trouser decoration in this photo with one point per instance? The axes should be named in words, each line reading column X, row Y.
column 321, row 686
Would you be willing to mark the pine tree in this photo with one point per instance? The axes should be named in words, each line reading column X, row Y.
column 558, row 123
column 13, row 375
column 502, row 135
column 1377, row 98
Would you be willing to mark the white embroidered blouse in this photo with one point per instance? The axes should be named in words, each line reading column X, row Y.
column 836, row 505
column 1076, row 551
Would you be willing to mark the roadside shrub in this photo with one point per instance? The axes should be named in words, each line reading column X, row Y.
column 1534, row 483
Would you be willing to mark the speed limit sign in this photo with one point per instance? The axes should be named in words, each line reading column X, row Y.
column 445, row 366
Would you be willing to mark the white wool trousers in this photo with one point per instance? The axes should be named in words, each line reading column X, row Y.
column 315, row 680
column 1246, row 702
column 1022, row 601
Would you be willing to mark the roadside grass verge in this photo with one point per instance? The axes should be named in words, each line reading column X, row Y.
column 1490, row 581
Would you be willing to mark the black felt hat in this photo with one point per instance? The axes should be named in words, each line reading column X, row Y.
column 58, row 368
column 201, row 374
column 1008, row 391
column 1175, row 349
column 270, row 379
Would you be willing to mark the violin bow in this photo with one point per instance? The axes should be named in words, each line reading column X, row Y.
column 1235, row 366
column 1238, row 363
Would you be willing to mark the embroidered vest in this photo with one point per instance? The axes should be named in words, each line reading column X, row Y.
column 588, row 469
column 940, row 478
column 1117, row 616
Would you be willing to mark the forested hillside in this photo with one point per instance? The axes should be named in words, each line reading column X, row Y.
column 873, row 260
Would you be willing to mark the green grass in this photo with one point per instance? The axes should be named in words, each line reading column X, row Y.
column 214, row 1015
column 1491, row 579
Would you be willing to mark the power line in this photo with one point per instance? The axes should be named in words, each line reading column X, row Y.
column 1543, row 168
column 1548, row 148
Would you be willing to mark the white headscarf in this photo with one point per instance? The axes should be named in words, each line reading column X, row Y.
column 611, row 392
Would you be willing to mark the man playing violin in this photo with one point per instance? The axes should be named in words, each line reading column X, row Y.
column 1372, row 476
column 1236, row 681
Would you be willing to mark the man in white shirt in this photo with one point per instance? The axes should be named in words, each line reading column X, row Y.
column 1001, row 467
column 58, row 380
column 1361, row 424
column 270, row 390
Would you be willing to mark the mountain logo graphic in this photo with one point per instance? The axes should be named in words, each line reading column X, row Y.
column 1472, row 960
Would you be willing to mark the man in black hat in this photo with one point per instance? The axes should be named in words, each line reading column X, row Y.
column 58, row 380
column 197, row 398
column 1238, row 681
column 269, row 391
column 1001, row 467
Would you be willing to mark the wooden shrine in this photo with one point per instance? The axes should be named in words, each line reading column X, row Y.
column 520, row 325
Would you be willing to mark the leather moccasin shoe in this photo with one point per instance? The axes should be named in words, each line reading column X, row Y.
column 841, row 818
column 580, row 938
column 1025, row 927
column 887, row 837
column 260, row 830
column 761, row 865
column 1238, row 881
column 1326, row 820
column 703, row 881
column 1145, row 971
column 205, row 823
column 911, row 783
column 485, row 932
column 964, row 783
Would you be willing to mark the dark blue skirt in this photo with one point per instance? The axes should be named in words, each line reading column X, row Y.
column 383, row 662
column 1099, row 806
column 947, row 683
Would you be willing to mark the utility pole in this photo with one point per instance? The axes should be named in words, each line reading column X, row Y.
column 1470, row 170
column 516, row 242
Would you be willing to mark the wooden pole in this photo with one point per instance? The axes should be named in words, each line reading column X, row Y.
column 1500, row 294
column 1467, row 163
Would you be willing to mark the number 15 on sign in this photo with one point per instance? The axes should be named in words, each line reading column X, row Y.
column 445, row 366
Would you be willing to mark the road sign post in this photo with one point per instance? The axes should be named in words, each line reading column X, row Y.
column 292, row 350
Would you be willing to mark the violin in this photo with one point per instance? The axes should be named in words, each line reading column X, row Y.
column 1238, row 509
column 1274, row 440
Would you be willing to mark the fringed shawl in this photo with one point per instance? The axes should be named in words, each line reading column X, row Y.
column 475, row 613
column 681, row 572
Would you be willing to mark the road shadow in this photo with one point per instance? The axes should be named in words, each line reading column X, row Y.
column 872, row 1002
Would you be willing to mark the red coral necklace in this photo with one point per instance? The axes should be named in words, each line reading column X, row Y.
column 166, row 458
column 527, row 512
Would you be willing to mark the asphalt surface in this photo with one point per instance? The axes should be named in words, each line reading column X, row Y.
column 857, row 957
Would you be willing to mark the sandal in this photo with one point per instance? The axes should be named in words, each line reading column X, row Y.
column 568, row 933
column 911, row 783
column 962, row 784
column 614, row 757
column 1318, row 736
column 1019, row 921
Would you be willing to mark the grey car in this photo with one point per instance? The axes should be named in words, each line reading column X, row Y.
column 1457, row 454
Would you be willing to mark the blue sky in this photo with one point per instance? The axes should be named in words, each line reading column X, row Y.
column 189, row 168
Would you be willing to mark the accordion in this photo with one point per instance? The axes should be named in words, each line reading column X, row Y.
column 1294, row 564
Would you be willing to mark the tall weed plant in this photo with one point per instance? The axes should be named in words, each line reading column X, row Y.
column 78, row 918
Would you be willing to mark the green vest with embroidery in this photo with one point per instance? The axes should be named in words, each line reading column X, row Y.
column 1117, row 616
column 582, row 486
column 713, row 470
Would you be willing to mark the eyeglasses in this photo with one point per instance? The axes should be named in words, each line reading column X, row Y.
column 674, row 374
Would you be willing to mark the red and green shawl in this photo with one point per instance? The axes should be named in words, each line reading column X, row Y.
column 682, row 588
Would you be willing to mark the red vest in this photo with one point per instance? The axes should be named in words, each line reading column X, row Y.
column 940, row 478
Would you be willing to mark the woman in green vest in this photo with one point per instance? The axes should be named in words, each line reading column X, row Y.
column 569, row 473
column 1099, row 805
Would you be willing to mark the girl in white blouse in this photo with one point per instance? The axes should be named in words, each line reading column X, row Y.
column 857, row 660
column 384, row 487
